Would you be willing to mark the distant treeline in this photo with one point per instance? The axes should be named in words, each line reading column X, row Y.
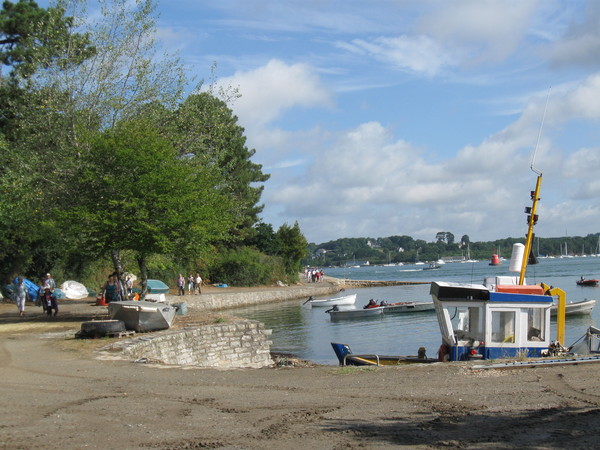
column 405, row 249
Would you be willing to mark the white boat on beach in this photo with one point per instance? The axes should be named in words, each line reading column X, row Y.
column 336, row 313
column 143, row 316
column 344, row 300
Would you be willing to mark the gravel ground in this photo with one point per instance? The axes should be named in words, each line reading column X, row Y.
column 57, row 392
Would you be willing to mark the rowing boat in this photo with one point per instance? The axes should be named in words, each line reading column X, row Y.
column 347, row 358
column 336, row 313
column 143, row 316
column 344, row 300
column 576, row 308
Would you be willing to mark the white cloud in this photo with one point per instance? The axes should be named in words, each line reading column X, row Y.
column 484, row 30
column 419, row 54
column 269, row 91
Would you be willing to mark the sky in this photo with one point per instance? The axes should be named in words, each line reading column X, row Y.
column 408, row 117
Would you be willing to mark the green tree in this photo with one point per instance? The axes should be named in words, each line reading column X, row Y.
column 264, row 238
column 136, row 193
column 292, row 247
column 205, row 130
column 32, row 37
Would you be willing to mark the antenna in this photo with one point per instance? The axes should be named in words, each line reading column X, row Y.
column 539, row 172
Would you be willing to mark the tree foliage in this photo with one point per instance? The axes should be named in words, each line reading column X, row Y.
column 136, row 193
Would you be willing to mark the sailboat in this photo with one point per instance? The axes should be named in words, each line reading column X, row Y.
column 389, row 263
column 469, row 260
column 417, row 262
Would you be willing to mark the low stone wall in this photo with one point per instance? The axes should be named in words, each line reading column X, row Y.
column 225, row 346
column 226, row 300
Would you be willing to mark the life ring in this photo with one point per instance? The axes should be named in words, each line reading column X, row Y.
column 444, row 353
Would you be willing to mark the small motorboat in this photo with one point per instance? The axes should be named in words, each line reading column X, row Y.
column 407, row 307
column 432, row 266
column 587, row 282
column 344, row 300
column 576, row 308
column 347, row 358
column 336, row 313
column 143, row 316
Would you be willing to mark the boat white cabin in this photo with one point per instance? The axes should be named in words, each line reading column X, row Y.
column 492, row 321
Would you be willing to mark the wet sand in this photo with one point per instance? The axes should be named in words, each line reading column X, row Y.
column 56, row 393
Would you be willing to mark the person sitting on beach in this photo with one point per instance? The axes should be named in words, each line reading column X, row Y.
column 50, row 302
column 372, row 304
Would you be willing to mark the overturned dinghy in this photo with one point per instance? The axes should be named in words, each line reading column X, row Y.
column 74, row 290
column 143, row 316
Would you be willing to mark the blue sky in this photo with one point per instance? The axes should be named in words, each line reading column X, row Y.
column 393, row 117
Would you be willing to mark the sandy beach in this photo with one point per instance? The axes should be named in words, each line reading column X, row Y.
column 59, row 392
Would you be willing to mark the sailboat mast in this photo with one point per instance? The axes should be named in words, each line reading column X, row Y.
column 532, row 219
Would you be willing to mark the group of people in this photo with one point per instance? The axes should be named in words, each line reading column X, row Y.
column 114, row 290
column 194, row 284
column 313, row 275
column 45, row 297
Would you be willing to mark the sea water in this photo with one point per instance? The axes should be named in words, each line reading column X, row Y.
column 307, row 332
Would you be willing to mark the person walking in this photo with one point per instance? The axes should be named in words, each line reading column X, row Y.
column 110, row 291
column 198, row 282
column 191, row 284
column 20, row 295
column 49, row 283
column 180, row 285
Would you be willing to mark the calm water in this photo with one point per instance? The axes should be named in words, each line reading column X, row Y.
column 307, row 332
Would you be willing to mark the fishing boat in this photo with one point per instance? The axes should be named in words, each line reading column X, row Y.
column 407, row 307
column 581, row 308
column 336, row 313
column 143, row 316
column 502, row 317
column 587, row 282
column 347, row 358
column 344, row 300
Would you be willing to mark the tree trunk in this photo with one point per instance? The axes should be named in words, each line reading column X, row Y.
column 141, row 259
column 118, row 265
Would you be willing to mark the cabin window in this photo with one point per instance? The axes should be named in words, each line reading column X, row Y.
column 467, row 323
column 503, row 327
column 536, row 324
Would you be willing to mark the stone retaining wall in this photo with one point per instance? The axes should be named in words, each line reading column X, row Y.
column 226, row 300
column 225, row 346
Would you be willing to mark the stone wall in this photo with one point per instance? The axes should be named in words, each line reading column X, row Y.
column 231, row 345
column 233, row 299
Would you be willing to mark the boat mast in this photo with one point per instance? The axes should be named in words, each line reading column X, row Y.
column 532, row 216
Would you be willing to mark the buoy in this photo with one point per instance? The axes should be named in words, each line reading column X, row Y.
column 495, row 260
column 516, row 259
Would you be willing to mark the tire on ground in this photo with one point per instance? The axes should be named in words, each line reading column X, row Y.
column 99, row 328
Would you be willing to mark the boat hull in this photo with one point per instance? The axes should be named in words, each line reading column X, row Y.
column 143, row 316
column 347, row 358
column 408, row 307
column 350, row 314
column 576, row 308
